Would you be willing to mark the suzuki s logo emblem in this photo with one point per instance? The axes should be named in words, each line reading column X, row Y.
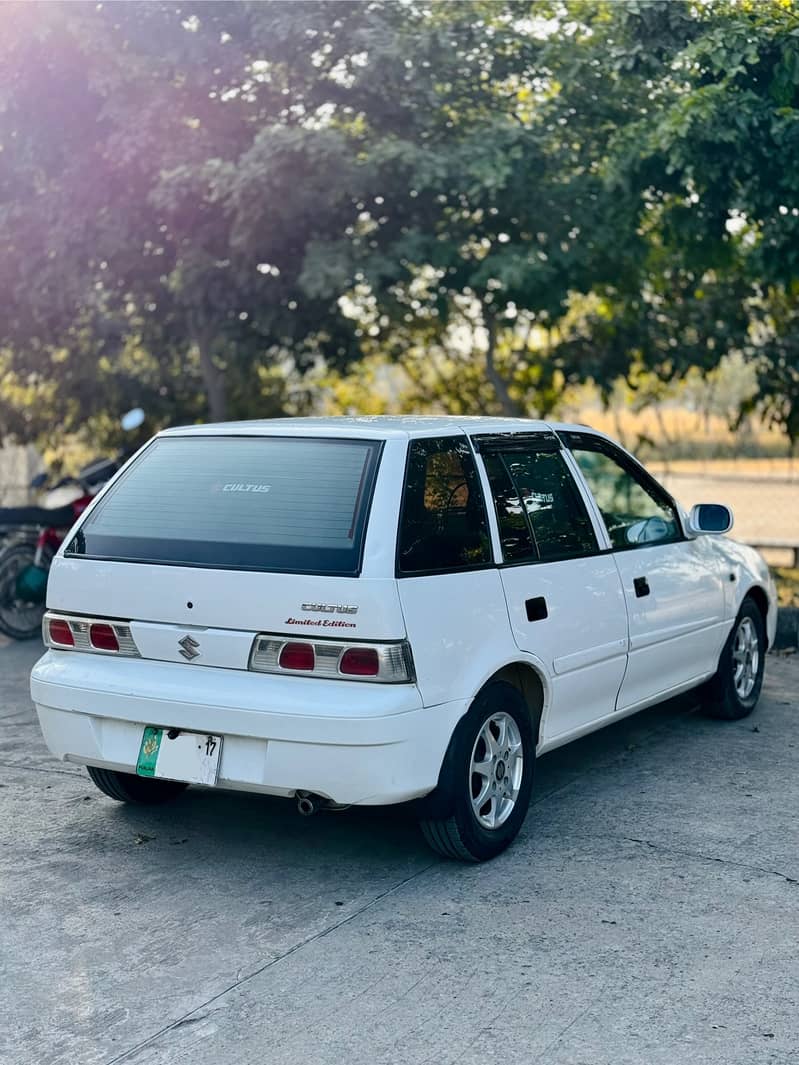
column 188, row 648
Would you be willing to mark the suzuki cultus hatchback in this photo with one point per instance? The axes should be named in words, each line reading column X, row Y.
column 373, row 610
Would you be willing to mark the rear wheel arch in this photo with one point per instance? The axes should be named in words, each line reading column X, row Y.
column 496, row 734
column 530, row 685
column 532, row 688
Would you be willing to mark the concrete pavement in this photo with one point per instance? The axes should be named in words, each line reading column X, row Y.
column 648, row 914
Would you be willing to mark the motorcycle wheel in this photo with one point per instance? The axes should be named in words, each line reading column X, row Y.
column 19, row 619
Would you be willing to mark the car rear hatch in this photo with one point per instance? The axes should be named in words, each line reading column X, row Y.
column 205, row 541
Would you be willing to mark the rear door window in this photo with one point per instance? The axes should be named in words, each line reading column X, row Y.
column 283, row 504
column 443, row 525
column 540, row 512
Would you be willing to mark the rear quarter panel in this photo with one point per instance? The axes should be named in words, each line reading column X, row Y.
column 459, row 631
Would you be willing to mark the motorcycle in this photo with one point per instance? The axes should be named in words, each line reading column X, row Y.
column 35, row 533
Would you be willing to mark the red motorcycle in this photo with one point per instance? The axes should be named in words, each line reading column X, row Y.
column 34, row 534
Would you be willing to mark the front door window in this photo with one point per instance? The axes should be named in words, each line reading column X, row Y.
column 635, row 509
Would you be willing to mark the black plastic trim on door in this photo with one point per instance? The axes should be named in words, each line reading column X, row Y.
column 536, row 608
column 641, row 585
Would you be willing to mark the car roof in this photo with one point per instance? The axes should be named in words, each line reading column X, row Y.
column 381, row 426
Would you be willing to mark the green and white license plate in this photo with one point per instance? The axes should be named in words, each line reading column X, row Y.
column 192, row 757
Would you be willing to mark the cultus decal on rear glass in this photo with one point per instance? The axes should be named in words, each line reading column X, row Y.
column 235, row 486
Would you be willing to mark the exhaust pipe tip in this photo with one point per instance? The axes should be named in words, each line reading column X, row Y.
column 308, row 804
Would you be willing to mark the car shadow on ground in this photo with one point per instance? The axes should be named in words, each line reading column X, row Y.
column 238, row 823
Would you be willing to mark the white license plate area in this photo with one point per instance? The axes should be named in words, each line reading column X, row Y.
column 191, row 757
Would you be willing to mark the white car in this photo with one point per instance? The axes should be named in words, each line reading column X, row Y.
column 374, row 610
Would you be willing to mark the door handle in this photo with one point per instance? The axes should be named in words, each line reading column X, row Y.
column 536, row 608
column 641, row 585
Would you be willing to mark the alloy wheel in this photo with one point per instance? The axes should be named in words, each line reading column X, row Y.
column 496, row 769
column 745, row 658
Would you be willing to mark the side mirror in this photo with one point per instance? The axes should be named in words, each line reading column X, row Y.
column 710, row 519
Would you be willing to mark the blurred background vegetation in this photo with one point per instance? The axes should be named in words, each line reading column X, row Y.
column 229, row 210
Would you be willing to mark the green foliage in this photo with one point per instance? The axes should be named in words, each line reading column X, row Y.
column 714, row 167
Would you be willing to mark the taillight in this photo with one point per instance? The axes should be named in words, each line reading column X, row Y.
column 102, row 637
column 386, row 663
column 297, row 656
column 359, row 662
column 60, row 633
column 98, row 635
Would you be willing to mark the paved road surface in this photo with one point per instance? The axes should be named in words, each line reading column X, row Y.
column 648, row 914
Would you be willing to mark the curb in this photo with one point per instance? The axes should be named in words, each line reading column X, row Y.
column 787, row 628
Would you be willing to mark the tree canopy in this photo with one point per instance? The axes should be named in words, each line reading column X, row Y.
column 203, row 203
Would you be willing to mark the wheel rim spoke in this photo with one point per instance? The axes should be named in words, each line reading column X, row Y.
column 482, row 796
column 487, row 737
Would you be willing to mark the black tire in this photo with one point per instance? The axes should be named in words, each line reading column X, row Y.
column 127, row 787
column 449, row 821
column 19, row 620
column 728, row 695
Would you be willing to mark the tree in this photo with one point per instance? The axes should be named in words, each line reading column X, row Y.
column 122, row 127
column 712, row 162
column 220, row 195
column 208, row 203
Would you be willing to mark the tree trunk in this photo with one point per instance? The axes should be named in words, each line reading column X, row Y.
column 509, row 406
column 213, row 377
column 657, row 411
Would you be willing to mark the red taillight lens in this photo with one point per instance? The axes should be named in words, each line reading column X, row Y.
column 297, row 656
column 61, row 633
column 103, row 637
column 360, row 662
column 382, row 663
column 89, row 634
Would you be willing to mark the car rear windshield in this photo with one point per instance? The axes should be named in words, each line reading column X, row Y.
column 285, row 504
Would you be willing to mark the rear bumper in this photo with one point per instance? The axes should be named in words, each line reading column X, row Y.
column 351, row 742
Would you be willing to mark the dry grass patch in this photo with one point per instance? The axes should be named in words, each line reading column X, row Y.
column 787, row 585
